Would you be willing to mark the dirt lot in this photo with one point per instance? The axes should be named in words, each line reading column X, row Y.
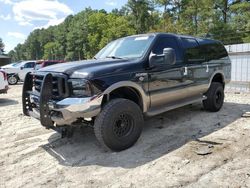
column 168, row 154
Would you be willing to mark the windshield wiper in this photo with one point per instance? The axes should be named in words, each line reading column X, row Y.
column 114, row 57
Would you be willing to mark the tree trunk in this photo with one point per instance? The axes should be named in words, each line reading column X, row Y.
column 164, row 16
column 224, row 11
column 196, row 18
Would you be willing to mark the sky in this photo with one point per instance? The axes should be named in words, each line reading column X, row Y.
column 20, row 17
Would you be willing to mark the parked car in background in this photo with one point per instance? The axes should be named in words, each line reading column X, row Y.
column 45, row 63
column 3, row 82
column 17, row 71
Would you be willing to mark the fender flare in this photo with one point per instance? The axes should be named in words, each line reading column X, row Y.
column 145, row 98
column 213, row 75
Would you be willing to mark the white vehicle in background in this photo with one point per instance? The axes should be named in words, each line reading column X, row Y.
column 17, row 71
column 3, row 82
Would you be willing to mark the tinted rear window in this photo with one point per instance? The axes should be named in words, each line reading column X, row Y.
column 202, row 50
column 213, row 51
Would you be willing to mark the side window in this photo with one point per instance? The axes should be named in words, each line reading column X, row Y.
column 193, row 52
column 222, row 52
column 167, row 42
column 214, row 51
column 29, row 65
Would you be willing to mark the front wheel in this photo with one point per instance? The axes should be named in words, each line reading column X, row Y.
column 119, row 124
column 215, row 97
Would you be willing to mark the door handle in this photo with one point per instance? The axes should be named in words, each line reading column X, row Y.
column 207, row 69
column 185, row 73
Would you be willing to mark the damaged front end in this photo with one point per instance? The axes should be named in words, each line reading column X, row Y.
column 49, row 98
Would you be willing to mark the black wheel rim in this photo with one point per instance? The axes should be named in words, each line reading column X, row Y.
column 123, row 125
column 218, row 98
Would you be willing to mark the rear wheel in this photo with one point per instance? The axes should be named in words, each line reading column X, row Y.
column 215, row 97
column 12, row 80
column 119, row 124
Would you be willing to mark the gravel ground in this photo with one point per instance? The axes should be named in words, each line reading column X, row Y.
column 186, row 147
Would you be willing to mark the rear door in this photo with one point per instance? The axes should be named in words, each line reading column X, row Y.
column 196, row 67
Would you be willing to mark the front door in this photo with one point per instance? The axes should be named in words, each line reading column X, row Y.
column 28, row 67
column 168, row 84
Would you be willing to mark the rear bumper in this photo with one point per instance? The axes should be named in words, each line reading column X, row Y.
column 50, row 112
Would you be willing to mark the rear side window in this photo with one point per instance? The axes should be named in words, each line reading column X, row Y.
column 167, row 42
column 193, row 52
column 215, row 51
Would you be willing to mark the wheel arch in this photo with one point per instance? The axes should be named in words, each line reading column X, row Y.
column 218, row 76
column 125, row 89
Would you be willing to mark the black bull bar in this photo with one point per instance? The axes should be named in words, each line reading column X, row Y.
column 44, row 97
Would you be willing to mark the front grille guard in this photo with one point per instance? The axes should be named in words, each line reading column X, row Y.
column 45, row 97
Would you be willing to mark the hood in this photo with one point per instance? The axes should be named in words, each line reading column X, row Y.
column 8, row 66
column 92, row 68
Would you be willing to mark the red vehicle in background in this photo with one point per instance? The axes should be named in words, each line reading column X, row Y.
column 44, row 63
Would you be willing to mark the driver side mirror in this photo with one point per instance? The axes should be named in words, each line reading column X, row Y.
column 22, row 68
column 168, row 57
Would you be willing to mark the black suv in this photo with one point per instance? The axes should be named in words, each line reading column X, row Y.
column 130, row 78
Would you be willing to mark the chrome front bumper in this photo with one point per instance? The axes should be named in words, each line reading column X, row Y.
column 68, row 110
column 73, row 108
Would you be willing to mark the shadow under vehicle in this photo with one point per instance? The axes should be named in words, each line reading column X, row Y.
column 162, row 134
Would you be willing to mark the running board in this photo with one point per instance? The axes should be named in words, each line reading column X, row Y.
column 174, row 106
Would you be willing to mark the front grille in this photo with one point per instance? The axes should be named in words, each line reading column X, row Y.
column 60, row 85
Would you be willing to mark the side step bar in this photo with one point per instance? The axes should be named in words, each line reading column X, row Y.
column 174, row 106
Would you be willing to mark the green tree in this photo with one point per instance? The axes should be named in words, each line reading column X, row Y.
column 139, row 13
column 1, row 46
column 241, row 19
column 81, row 36
column 51, row 51
column 103, row 29
column 77, row 35
column 12, row 55
column 165, row 4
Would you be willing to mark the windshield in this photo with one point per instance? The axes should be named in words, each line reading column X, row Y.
column 16, row 64
column 130, row 47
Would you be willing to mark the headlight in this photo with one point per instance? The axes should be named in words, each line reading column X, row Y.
column 80, row 88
